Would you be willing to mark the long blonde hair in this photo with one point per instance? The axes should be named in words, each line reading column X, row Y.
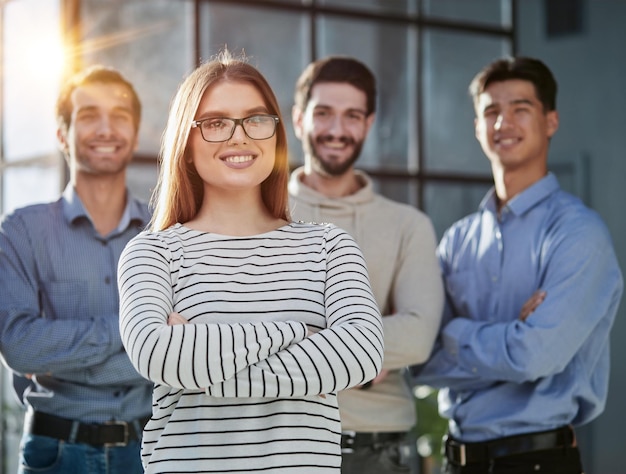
column 179, row 191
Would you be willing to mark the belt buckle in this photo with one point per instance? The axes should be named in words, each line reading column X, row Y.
column 462, row 455
column 349, row 437
column 118, row 444
column 453, row 447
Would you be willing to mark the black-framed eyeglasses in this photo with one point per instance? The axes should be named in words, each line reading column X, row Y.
column 220, row 129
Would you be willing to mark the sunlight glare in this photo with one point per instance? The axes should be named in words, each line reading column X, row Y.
column 33, row 68
column 44, row 54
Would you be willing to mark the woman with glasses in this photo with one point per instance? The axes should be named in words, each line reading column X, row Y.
column 247, row 323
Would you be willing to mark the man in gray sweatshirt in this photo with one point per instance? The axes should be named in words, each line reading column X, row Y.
column 335, row 100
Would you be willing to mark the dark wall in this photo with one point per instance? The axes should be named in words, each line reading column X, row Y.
column 590, row 67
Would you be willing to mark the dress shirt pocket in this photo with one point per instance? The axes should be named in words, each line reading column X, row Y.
column 66, row 299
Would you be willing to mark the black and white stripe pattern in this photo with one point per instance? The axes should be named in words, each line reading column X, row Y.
column 238, row 389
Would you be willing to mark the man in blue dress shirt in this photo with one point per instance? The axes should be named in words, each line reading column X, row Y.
column 532, row 288
column 85, row 403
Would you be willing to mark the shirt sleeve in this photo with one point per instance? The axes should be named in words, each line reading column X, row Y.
column 348, row 352
column 261, row 359
column 192, row 356
column 32, row 343
column 103, row 374
column 583, row 284
column 417, row 298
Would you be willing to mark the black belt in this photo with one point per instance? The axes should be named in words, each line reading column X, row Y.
column 351, row 440
column 109, row 434
column 462, row 454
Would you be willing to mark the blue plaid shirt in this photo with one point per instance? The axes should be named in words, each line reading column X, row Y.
column 59, row 311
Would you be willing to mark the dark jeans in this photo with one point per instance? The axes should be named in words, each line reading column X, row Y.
column 388, row 457
column 40, row 454
column 550, row 461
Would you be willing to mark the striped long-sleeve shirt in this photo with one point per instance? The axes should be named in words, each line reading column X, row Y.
column 242, row 388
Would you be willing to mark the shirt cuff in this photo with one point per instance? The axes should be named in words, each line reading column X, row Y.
column 455, row 331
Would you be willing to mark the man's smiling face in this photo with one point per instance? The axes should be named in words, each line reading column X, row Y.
column 512, row 126
column 102, row 135
column 333, row 127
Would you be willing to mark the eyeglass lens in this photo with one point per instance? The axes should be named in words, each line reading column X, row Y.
column 219, row 129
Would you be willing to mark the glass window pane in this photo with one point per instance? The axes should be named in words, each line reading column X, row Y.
column 398, row 189
column 32, row 67
column 393, row 6
column 285, row 1
column 391, row 143
column 151, row 43
column 493, row 12
column 263, row 41
column 446, row 203
column 451, row 60
column 23, row 185
column 141, row 179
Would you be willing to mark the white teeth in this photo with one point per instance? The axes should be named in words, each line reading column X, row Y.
column 334, row 145
column 238, row 159
column 508, row 141
column 105, row 149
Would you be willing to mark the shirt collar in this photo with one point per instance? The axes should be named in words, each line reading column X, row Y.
column 73, row 209
column 525, row 200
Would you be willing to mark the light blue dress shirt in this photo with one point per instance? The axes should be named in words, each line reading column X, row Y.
column 501, row 376
column 59, row 311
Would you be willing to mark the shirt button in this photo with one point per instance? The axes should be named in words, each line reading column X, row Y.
column 107, row 280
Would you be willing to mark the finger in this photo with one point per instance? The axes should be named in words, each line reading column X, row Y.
column 175, row 318
column 539, row 297
column 532, row 304
column 380, row 377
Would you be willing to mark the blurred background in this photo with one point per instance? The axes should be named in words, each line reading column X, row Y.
column 422, row 148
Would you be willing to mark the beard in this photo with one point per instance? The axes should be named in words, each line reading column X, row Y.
column 330, row 166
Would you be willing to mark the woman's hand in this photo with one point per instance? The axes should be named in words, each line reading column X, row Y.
column 175, row 318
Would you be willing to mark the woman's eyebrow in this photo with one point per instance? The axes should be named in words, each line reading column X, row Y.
column 261, row 109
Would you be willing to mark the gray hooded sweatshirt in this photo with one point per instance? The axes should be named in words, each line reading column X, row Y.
column 398, row 242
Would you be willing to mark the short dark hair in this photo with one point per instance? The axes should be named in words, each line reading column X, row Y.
column 336, row 69
column 96, row 74
column 521, row 67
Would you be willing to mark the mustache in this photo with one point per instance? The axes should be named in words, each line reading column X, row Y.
column 330, row 138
